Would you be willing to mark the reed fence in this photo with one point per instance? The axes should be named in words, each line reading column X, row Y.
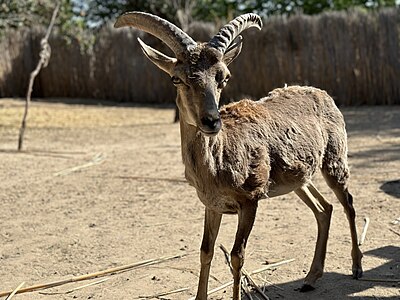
column 355, row 56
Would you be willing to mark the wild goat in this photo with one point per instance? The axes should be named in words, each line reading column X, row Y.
column 249, row 150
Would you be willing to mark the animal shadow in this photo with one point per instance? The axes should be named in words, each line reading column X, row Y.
column 335, row 286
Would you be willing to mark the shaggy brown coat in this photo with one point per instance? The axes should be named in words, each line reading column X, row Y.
column 266, row 148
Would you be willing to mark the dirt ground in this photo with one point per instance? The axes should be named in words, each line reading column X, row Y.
column 102, row 186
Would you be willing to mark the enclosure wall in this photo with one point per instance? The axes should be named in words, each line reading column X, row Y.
column 355, row 56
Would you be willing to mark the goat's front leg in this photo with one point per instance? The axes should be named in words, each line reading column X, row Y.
column 212, row 222
column 246, row 217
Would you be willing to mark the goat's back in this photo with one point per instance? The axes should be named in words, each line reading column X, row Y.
column 295, row 130
column 294, row 106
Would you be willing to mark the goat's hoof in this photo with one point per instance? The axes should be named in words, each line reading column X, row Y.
column 306, row 288
column 357, row 273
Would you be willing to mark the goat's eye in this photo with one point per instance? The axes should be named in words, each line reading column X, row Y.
column 223, row 82
column 176, row 80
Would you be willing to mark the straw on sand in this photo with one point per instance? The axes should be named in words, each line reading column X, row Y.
column 94, row 275
column 15, row 291
column 75, row 289
column 254, row 284
column 163, row 294
column 245, row 273
column 395, row 232
column 96, row 160
column 268, row 267
column 364, row 231
column 394, row 280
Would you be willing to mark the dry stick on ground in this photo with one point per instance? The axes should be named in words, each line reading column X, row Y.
column 245, row 273
column 269, row 283
column 247, row 291
column 268, row 267
column 227, row 257
column 94, row 275
column 394, row 280
column 96, row 160
column 394, row 231
column 75, row 289
column 172, row 222
column 43, row 62
column 364, row 231
column 163, row 294
column 271, row 266
column 254, row 284
column 153, row 178
column 15, row 291
column 228, row 262
column 225, row 285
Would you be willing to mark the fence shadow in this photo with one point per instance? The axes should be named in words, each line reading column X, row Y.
column 374, row 120
column 382, row 126
column 391, row 188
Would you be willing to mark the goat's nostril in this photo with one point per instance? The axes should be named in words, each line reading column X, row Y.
column 212, row 123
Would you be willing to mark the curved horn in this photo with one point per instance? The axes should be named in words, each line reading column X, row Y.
column 230, row 31
column 175, row 38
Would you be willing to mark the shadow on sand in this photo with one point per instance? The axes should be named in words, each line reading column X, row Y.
column 335, row 286
column 391, row 188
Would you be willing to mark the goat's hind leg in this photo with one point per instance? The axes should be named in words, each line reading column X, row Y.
column 339, row 187
column 322, row 211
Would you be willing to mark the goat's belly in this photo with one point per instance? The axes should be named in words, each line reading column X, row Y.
column 278, row 190
column 287, row 182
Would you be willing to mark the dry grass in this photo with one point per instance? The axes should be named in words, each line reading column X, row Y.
column 57, row 115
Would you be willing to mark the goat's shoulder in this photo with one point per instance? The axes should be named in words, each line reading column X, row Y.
column 243, row 111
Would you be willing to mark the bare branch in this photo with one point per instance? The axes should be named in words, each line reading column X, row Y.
column 43, row 62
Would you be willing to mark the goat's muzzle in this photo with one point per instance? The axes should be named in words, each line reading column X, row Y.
column 210, row 124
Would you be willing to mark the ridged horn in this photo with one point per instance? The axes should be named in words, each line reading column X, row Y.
column 174, row 37
column 230, row 31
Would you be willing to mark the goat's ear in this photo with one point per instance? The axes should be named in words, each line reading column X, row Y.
column 233, row 50
column 161, row 60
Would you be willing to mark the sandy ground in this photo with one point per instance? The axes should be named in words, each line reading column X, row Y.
column 127, row 202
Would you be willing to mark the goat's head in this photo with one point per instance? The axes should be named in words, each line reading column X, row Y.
column 199, row 70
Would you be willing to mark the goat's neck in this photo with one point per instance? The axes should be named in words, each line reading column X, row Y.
column 201, row 155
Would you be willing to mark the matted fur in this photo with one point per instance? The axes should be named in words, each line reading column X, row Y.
column 267, row 148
